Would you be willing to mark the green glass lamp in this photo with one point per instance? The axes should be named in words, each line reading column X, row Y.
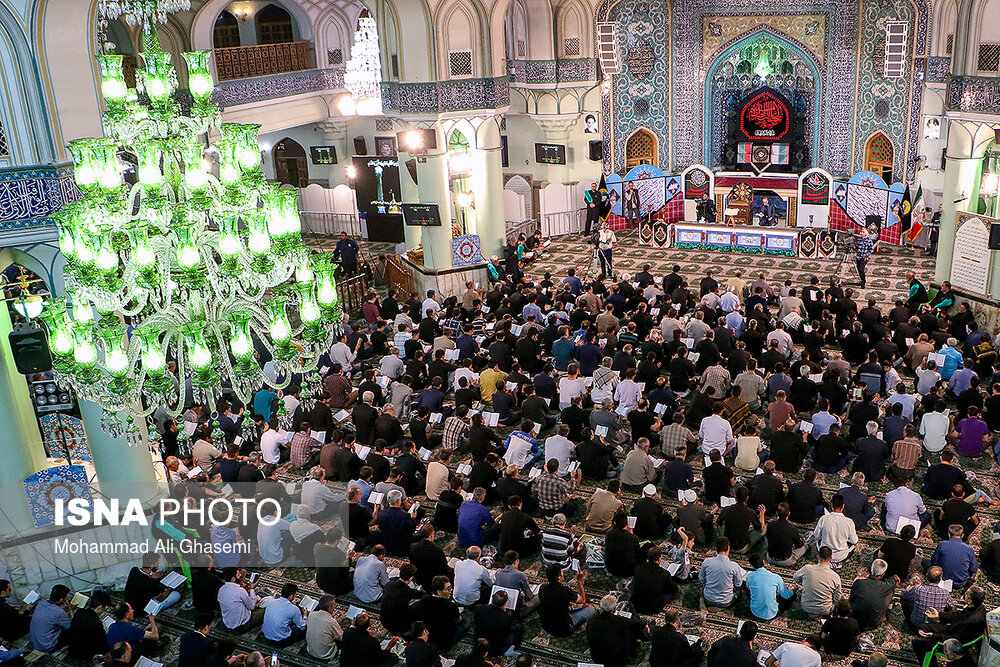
column 60, row 334
column 199, row 355
column 199, row 81
column 280, row 329
column 85, row 352
column 326, row 289
column 230, row 246
column 154, row 360
column 241, row 344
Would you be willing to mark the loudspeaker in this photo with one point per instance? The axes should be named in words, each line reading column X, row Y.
column 411, row 167
column 596, row 150
column 360, row 146
column 30, row 350
column 995, row 236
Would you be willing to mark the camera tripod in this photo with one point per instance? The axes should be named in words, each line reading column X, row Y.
column 846, row 269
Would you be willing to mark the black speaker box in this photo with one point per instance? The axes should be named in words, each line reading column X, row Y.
column 596, row 150
column 411, row 168
column 360, row 146
column 30, row 349
column 995, row 236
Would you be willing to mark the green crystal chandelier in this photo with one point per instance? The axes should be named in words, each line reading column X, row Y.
column 190, row 257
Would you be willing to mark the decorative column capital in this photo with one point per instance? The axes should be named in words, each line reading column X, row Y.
column 556, row 127
column 333, row 130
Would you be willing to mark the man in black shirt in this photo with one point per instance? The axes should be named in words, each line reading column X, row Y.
column 428, row 558
column 442, row 616
column 805, row 499
column 788, row 448
column 738, row 520
column 621, row 548
column 766, row 489
column 671, row 647
column 518, row 531
column 360, row 649
column 898, row 553
column 498, row 626
column 196, row 647
column 596, row 456
column 652, row 586
column 576, row 418
column 941, row 477
column 652, row 518
column 614, row 639
column 695, row 519
column 396, row 614
column 784, row 543
column 483, row 440
column 718, row 477
column 871, row 597
column 420, row 652
column 86, row 633
column 555, row 599
column 735, row 650
column 14, row 621
column 832, row 452
column 872, row 455
column 958, row 512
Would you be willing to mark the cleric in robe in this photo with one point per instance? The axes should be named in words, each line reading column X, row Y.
column 768, row 213
column 706, row 209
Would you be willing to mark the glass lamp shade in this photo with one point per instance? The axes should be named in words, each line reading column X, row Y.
column 115, row 358
column 230, row 246
column 113, row 85
column 60, row 334
column 29, row 307
column 240, row 343
column 154, row 358
column 989, row 184
column 247, row 149
column 67, row 246
column 83, row 162
column 85, row 352
column 150, row 174
column 326, row 291
column 283, row 216
column 199, row 78
column 195, row 177
column 280, row 329
column 158, row 78
column 109, row 175
column 199, row 355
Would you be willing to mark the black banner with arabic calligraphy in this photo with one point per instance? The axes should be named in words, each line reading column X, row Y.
column 765, row 116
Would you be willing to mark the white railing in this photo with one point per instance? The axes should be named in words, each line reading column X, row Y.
column 514, row 228
column 322, row 223
column 559, row 223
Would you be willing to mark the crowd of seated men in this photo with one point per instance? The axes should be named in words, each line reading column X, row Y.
column 680, row 419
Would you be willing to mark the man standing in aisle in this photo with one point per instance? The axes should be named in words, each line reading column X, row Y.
column 606, row 241
column 863, row 252
column 592, row 198
column 347, row 252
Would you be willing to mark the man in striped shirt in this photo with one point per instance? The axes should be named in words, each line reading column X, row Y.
column 558, row 544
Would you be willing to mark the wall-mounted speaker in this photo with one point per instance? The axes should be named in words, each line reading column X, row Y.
column 596, row 150
column 360, row 146
column 411, row 167
column 30, row 349
column 995, row 236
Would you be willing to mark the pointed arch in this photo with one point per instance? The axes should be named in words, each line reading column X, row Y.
column 880, row 155
column 573, row 29
column 787, row 42
column 642, row 147
column 226, row 32
column 290, row 164
column 203, row 26
column 459, row 29
column 274, row 25
column 540, row 32
column 943, row 24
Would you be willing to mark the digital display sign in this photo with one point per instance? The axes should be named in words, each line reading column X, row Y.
column 421, row 215
column 550, row 153
column 323, row 154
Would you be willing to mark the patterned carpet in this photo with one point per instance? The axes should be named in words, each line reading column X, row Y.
column 886, row 282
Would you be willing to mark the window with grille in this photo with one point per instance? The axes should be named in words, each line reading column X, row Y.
column 227, row 31
column 383, row 125
column 989, row 58
column 895, row 49
column 274, row 25
column 521, row 48
column 640, row 149
column 949, row 45
column 461, row 63
column 571, row 46
column 879, row 156
column 335, row 57
column 394, row 64
column 4, row 146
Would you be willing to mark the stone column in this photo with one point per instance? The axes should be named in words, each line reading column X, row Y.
column 21, row 451
column 123, row 471
column 486, row 182
column 432, row 176
column 409, row 193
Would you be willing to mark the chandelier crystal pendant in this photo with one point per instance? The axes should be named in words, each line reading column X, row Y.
column 141, row 12
column 363, row 75
column 181, row 270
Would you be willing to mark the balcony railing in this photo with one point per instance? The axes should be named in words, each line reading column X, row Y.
column 240, row 62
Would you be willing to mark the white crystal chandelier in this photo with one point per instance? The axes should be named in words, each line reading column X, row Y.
column 363, row 78
column 193, row 258
column 141, row 12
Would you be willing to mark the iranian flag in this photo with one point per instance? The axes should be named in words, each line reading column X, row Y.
column 916, row 207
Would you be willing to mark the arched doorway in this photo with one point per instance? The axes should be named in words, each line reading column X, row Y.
column 878, row 156
column 274, row 25
column 227, row 31
column 290, row 164
column 641, row 148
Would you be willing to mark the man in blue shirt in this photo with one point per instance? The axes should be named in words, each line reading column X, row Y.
column 466, row 343
column 283, row 622
column 588, row 355
column 768, row 593
column 49, row 620
column 475, row 523
column 575, row 286
column 347, row 252
column 721, row 576
column 262, row 402
column 823, row 420
column 956, row 559
column 953, row 359
column 124, row 630
column 562, row 349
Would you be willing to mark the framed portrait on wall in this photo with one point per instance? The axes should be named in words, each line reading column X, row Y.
column 385, row 146
column 590, row 125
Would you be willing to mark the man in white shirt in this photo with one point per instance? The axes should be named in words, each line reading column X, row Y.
column 391, row 365
column 783, row 338
column 716, row 433
column 271, row 444
column 465, row 371
column 627, row 394
column 430, row 303
column 238, row 602
column 571, row 385
column 836, row 531
column 472, row 581
column 340, row 353
column 729, row 301
column 561, row 448
column 934, row 427
column 796, row 654
column 317, row 495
